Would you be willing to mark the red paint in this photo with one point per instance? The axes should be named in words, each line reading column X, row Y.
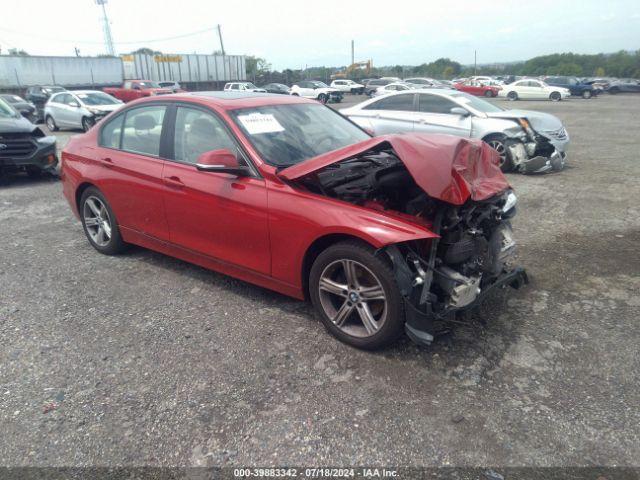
column 128, row 94
column 478, row 89
column 448, row 168
column 259, row 229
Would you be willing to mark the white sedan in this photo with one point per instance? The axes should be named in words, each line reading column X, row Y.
column 530, row 89
column 392, row 88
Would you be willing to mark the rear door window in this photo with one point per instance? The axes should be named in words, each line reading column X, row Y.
column 143, row 130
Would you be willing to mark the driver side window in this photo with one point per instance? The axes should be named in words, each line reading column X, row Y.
column 197, row 132
column 434, row 104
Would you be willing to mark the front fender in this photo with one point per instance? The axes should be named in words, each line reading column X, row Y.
column 298, row 219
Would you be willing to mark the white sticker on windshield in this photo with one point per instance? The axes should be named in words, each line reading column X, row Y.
column 82, row 95
column 257, row 123
column 17, row 98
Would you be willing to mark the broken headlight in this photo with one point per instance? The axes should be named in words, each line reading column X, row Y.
column 510, row 201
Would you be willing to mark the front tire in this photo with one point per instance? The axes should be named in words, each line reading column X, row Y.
column 322, row 98
column 555, row 96
column 512, row 96
column 99, row 223
column 586, row 94
column 51, row 124
column 488, row 93
column 356, row 295
column 497, row 142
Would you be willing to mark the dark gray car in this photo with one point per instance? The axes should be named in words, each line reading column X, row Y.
column 23, row 146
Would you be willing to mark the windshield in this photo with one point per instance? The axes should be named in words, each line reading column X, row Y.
column 476, row 103
column 7, row 111
column 250, row 85
column 285, row 135
column 148, row 85
column 97, row 98
column 320, row 84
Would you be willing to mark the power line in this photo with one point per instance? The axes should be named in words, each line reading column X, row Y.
column 91, row 42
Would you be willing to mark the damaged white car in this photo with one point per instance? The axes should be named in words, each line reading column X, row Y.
column 527, row 141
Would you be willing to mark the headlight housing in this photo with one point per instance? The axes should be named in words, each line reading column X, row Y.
column 510, row 201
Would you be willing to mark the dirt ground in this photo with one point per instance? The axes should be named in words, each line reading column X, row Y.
column 145, row 360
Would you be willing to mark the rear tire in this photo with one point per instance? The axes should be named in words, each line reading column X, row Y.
column 512, row 96
column 496, row 142
column 51, row 123
column 586, row 94
column 614, row 91
column 99, row 223
column 356, row 295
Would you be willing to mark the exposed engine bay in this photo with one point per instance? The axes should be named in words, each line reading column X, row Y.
column 437, row 277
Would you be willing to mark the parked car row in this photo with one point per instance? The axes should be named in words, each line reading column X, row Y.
column 526, row 141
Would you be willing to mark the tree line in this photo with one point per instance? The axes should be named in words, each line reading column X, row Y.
column 622, row 64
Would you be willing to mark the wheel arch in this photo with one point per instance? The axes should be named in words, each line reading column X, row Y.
column 80, row 190
column 318, row 246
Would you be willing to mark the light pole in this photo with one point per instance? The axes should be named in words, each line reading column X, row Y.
column 108, row 39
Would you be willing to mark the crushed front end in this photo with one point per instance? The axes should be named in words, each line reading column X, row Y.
column 537, row 150
column 450, row 186
column 447, row 275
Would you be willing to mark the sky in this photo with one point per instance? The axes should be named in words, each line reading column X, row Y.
column 298, row 33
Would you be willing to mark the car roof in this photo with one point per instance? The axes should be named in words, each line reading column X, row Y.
column 83, row 91
column 233, row 100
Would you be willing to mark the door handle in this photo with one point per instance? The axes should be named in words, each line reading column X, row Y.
column 173, row 181
column 107, row 162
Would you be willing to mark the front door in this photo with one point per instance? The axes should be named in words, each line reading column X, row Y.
column 434, row 116
column 215, row 214
column 390, row 114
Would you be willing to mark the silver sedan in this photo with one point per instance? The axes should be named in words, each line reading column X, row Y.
column 78, row 109
column 527, row 141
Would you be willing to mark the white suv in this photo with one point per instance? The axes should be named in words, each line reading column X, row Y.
column 242, row 87
column 348, row 86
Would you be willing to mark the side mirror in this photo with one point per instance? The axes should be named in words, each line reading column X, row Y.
column 74, row 104
column 459, row 111
column 221, row 161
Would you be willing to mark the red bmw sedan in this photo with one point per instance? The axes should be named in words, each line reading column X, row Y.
column 384, row 235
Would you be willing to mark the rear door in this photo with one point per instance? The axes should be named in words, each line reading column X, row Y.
column 130, row 158
column 434, row 116
column 214, row 214
column 391, row 114
column 56, row 108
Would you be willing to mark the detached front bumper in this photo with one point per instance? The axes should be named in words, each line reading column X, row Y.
column 422, row 327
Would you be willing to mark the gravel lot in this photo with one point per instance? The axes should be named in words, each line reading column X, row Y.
column 146, row 360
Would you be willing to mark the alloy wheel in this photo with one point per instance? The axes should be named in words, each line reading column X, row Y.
column 51, row 125
column 499, row 147
column 353, row 298
column 97, row 221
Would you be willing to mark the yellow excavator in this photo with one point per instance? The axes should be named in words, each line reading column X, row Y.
column 360, row 67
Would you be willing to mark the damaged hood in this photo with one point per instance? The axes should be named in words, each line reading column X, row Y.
column 539, row 121
column 448, row 168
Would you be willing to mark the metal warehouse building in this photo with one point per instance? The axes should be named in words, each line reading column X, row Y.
column 204, row 71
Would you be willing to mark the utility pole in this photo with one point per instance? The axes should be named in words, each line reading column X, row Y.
column 108, row 39
column 77, row 50
column 353, row 58
column 220, row 37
